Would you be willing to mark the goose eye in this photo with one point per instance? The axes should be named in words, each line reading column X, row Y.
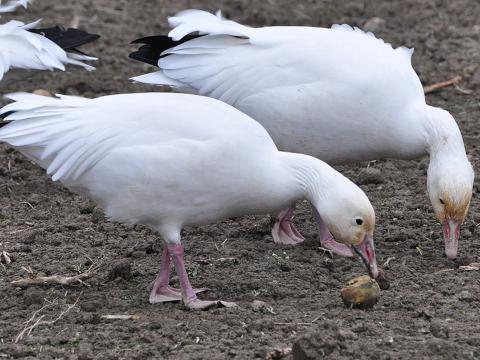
column 359, row 221
column 442, row 202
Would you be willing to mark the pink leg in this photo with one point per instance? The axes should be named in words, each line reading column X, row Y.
column 327, row 241
column 188, row 294
column 161, row 291
column 284, row 232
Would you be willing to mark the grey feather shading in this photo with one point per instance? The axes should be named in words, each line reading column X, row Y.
column 3, row 123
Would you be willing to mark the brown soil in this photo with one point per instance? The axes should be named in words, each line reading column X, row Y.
column 426, row 312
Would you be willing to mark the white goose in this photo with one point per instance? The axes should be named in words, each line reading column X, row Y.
column 170, row 160
column 12, row 5
column 339, row 94
column 22, row 47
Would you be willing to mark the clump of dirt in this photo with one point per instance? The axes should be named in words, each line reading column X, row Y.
column 430, row 310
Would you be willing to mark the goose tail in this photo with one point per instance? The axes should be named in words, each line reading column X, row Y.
column 191, row 50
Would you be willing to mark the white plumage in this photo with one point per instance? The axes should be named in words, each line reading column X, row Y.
column 11, row 5
column 170, row 160
column 22, row 49
column 339, row 94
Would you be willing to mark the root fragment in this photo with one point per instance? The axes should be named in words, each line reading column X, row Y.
column 38, row 320
column 33, row 279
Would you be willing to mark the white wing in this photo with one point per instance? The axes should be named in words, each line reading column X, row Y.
column 232, row 62
column 69, row 135
column 11, row 5
column 22, row 49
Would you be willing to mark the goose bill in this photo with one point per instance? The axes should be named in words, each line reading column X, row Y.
column 366, row 253
column 451, row 232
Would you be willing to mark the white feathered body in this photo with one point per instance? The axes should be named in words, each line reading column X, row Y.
column 163, row 160
column 338, row 94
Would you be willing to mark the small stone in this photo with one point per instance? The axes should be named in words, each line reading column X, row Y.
column 369, row 175
column 466, row 296
column 120, row 269
column 383, row 281
column 87, row 209
column 374, row 24
column 439, row 329
column 344, row 334
column 138, row 254
column 258, row 305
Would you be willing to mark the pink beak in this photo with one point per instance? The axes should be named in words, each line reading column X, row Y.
column 451, row 233
column 366, row 252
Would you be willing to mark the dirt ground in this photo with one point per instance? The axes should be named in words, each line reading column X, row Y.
column 426, row 313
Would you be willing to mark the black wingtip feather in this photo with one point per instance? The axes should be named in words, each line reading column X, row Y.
column 67, row 39
column 153, row 46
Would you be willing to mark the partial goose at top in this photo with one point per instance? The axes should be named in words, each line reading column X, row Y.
column 12, row 5
column 171, row 160
column 23, row 47
column 339, row 94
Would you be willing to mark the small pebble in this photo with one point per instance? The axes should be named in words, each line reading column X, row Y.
column 374, row 24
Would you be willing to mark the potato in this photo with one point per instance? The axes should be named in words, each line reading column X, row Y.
column 361, row 292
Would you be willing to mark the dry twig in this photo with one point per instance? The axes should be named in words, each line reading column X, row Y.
column 470, row 267
column 434, row 87
column 32, row 279
column 37, row 320
column 390, row 258
column 120, row 317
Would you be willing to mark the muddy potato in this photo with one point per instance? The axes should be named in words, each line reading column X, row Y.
column 362, row 292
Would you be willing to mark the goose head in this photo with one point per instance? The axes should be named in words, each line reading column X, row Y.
column 349, row 216
column 450, row 190
column 450, row 176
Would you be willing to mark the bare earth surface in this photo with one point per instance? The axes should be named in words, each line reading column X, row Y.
column 426, row 313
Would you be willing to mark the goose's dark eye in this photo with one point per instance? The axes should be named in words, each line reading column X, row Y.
column 359, row 221
column 442, row 202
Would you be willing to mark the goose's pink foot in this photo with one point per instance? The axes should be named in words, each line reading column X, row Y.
column 161, row 291
column 188, row 293
column 168, row 294
column 283, row 231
